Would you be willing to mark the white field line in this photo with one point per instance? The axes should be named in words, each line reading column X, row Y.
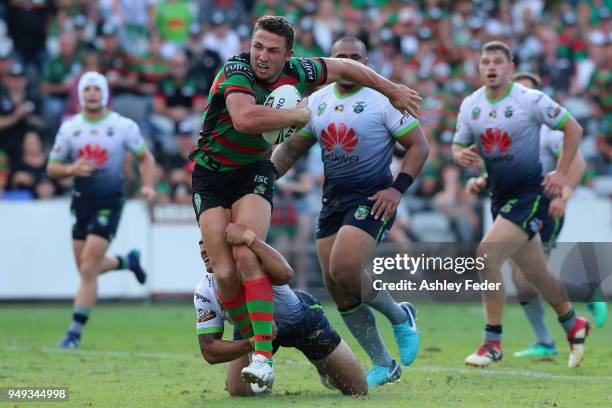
column 430, row 369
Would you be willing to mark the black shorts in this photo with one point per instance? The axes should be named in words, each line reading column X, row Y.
column 96, row 216
column 356, row 213
column 551, row 228
column 313, row 335
column 526, row 210
column 223, row 188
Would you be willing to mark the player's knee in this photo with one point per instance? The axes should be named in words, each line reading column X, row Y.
column 87, row 269
column 246, row 261
column 345, row 272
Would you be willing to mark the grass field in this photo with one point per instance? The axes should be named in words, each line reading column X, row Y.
column 147, row 355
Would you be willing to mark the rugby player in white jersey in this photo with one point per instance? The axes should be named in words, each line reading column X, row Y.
column 357, row 129
column 500, row 124
column 551, row 144
column 299, row 323
column 91, row 147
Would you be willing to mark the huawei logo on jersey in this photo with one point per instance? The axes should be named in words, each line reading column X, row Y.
column 95, row 153
column 333, row 137
column 493, row 138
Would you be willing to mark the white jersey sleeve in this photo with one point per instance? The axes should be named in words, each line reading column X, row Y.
column 133, row 140
column 61, row 147
column 463, row 134
column 210, row 316
column 397, row 123
column 546, row 111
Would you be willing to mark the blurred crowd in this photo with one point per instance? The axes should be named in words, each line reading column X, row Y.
column 160, row 58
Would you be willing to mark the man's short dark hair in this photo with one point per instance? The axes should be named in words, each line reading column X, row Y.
column 534, row 78
column 278, row 25
column 350, row 39
column 497, row 46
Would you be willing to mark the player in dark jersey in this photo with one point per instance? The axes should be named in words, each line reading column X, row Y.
column 299, row 322
column 357, row 129
column 92, row 146
column 500, row 124
column 232, row 180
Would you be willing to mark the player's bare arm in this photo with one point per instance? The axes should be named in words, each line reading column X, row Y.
column 288, row 152
column 417, row 150
column 574, row 175
column 274, row 264
column 466, row 156
column 554, row 181
column 248, row 117
column 215, row 350
column 146, row 164
column 404, row 99
column 82, row 167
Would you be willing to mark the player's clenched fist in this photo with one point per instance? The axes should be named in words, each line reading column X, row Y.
column 234, row 234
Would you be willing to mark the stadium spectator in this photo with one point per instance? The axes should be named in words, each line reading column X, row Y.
column 556, row 71
column 173, row 18
column 204, row 63
column 235, row 10
column 28, row 26
column 178, row 166
column 29, row 172
column 6, row 61
column 136, row 19
column 221, row 37
column 59, row 74
column 83, row 34
column 152, row 66
column 177, row 99
column 18, row 112
column 306, row 45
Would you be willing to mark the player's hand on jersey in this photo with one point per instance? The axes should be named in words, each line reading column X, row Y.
column 406, row 100
column 234, row 234
column 83, row 167
column 385, row 203
column 475, row 185
column 470, row 157
column 553, row 183
column 556, row 208
column 149, row 193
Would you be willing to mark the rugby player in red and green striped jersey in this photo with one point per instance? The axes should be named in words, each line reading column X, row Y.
column 233, row 176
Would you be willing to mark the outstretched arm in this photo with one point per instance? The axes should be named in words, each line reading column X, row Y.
column 404, row 99
column 274, row 264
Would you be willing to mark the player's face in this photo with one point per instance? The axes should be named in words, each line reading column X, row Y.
column 495, row 69
column 352, row 51
column 268, row 55
column 93, row 98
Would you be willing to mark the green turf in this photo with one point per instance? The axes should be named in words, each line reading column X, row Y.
column 158, row 363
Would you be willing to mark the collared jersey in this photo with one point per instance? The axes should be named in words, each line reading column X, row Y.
column 507, row 133
column 357, row 133
column 105, row 143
